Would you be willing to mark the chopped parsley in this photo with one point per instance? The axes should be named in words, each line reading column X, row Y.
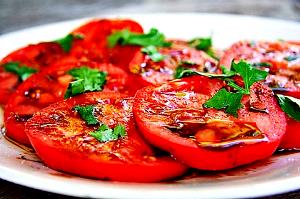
column 67, row 42
column 21, row 70
column 85, row 79
column 87, row 114
column 105, row 134
column 185, row 72
column 262, row 64
column 290, row 105
column 153, row 53
column 125, row 37
column 248, row 73
column 292, row 57
column 204, row 44
column 231, row 101
column 201, row 43
column 224, row 99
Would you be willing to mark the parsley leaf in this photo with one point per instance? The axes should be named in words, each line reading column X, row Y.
column 248, row 73
column 224, row 99
column 21, row 70
column 85, row 79
column 292, row 57
column 125, row 37
column 67, row 41
column 185, row 72
column 262, row 64
column 153, row 53
column 105, row 134
column 232, row 101
column 87, row 113
column 290, row 105
column 204, row 43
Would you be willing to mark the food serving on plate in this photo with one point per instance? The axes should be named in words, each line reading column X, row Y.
column 109, row 101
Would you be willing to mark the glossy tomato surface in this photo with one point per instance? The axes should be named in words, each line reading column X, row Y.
column 97, row 32
column 172, row 117
column 150, row 72
column 62, row 140
column 282, row 61
column 44, row 88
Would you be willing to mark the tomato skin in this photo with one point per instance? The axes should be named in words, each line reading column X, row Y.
column 149, row 72
column 65, row 151
column 185, row 149
column 49, row 86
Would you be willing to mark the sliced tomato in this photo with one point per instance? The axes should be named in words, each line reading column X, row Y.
column 97, row 32
column 283, row 65
column 179, row 54
column 172, row 117
column 36, row 55
column 280, row 59
column 49, row 86
column 63, row 141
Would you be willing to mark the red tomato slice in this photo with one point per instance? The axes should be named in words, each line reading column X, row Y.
column 34, row 56
column 172, row 118
column 284, row 61
column 283, row 72
column 97, row 32
column 49, row 86
column 63, row 141
column 152, row 73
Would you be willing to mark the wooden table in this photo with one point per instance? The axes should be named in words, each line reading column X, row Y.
column 16, row 15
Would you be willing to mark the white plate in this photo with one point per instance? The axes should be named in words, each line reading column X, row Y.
column 280, row 173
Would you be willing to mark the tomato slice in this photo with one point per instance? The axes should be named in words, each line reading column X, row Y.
column 49, row 86
column 153, row 73
column 283, row 65
column 63, row 141
column 280, row 59
column 172, row 117
column 97, row 32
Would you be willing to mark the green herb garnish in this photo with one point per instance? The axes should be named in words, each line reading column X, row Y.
column 153, row 53
column 87, row 113
column 125, row 37
column 85, row 79
column 231, row 101
column 292, row 57
column 185, row 72
column 203, row 43
column 290, row 105
column 248, row 73
column 21, row 70
column 262, row 64
column 224, row 99
column 105, row 134
column 67, row 41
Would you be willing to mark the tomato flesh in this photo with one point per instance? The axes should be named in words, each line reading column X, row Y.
column 63, row 141
column 172, row 117
column 49, row 86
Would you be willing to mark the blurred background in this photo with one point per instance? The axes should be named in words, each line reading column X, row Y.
column 19, row 14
